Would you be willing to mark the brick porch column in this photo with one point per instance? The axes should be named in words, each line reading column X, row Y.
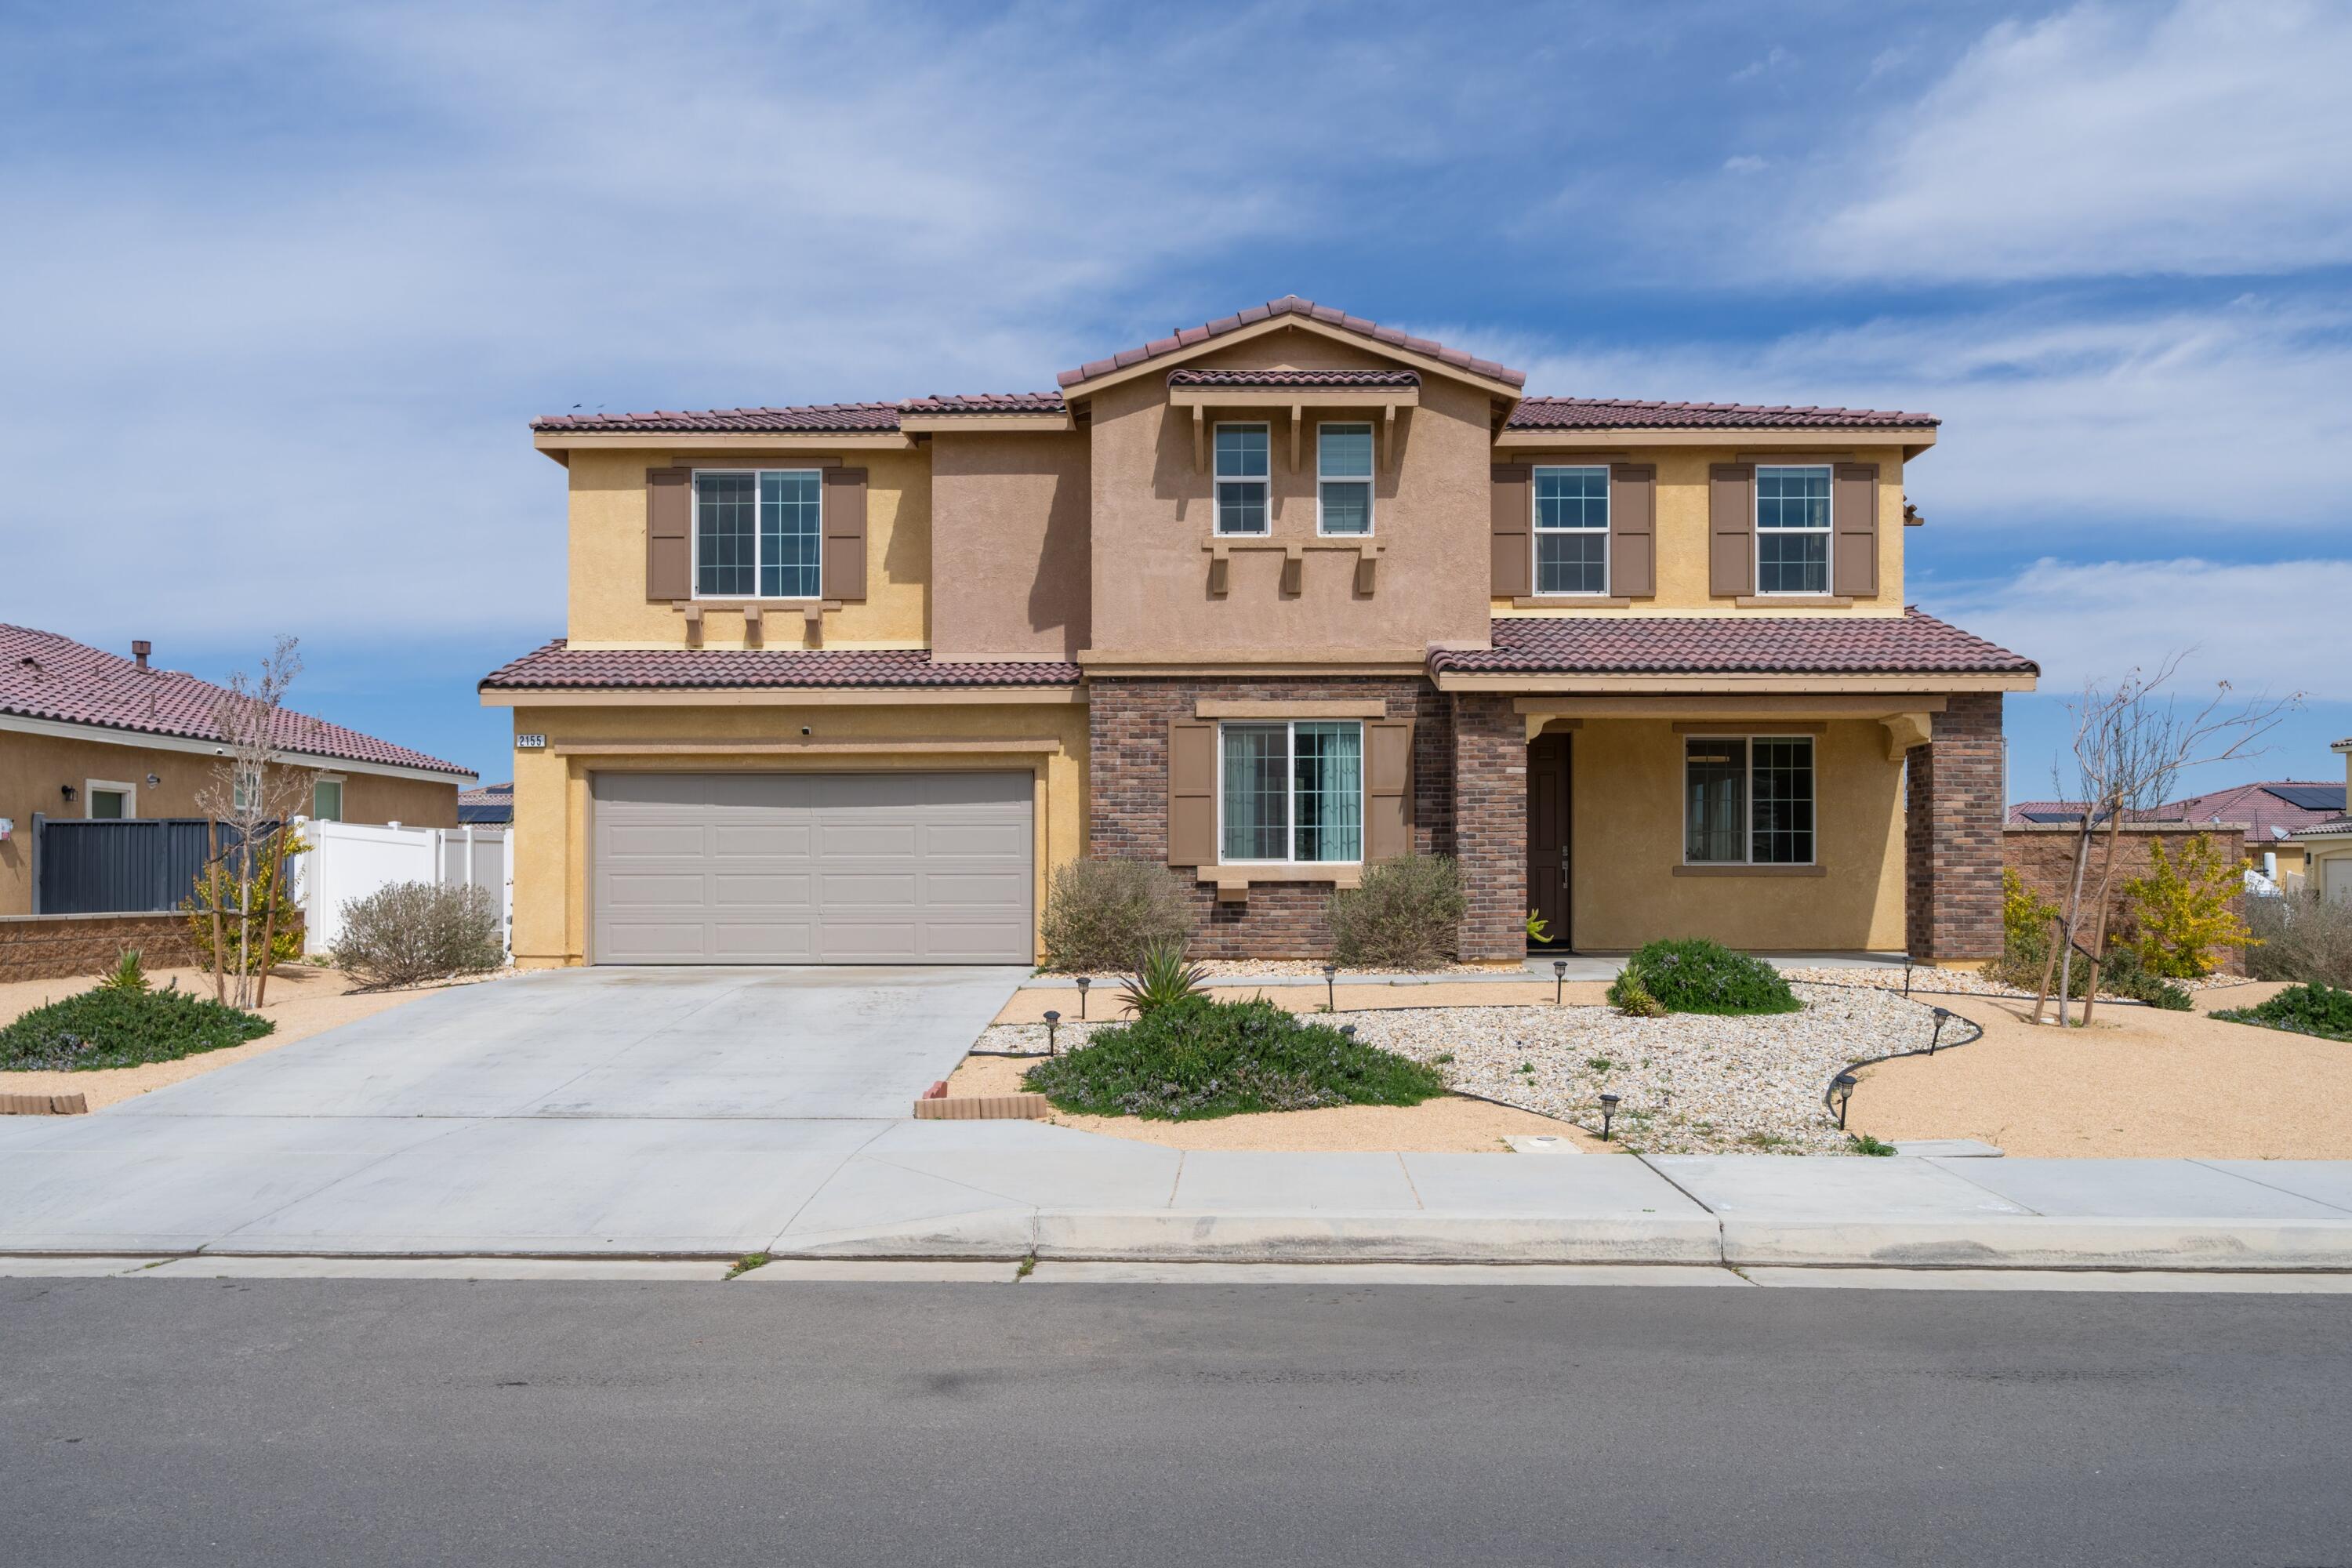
column 1490, row 823
column 1952, row 834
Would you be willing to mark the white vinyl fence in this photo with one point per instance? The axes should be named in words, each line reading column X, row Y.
column 343, row 861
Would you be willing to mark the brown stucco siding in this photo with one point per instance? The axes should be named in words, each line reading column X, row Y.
column 33, row 767
column 2043, row 859
column 1490, row 765
column 1952, row 834
column 1011, row 556
column 1127, row 769
column 1153, row 514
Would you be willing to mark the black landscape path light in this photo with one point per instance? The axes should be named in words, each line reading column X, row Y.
column 1558, row 978
column 1331, row 987
column 1349, row 1030
column 1053, row 1027
column 1607, row 1114
column 1943, row 1017
column 1842, row 1087
column 1084, row 981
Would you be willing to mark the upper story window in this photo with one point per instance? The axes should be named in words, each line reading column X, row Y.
column 1571, row 531
column 1793, row 530
column 1343, row 479
column 1748, row 801
column 1291, row 792
column 757, row 534
column 1241, row 479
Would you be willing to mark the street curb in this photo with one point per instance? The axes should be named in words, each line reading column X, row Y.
column 2040, row 1241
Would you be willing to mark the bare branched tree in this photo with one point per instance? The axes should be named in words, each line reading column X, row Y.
column 253, row 796
column 2132, row 742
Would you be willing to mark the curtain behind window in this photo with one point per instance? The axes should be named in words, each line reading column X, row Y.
column 1254, row 787
column 1327, row 776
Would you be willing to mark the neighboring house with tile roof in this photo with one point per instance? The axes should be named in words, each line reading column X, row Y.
column 87, row 733
column 492, row 806
column 2327, row 845
column 2273, row 815
column 1266, row 601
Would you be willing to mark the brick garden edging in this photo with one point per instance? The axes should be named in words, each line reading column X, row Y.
column 63, row 947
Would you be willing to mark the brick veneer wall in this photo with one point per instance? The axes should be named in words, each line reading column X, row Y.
column 2042, row 855
column 1126, row 775
column 1490, row 827
column 62, row 947
column 1952, row 834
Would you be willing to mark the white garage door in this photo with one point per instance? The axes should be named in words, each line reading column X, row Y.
column 811, row 868
column 2336, row 880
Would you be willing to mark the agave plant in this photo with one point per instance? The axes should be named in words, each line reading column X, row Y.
column 128, row 973
column 1162, row 977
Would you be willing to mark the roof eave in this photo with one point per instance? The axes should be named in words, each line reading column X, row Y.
column 551, row 441
column 1160, row 364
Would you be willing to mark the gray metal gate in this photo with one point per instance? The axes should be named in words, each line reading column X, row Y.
column 133, row 866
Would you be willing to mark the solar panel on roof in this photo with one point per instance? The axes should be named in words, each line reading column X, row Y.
column 2054, row 816
column 2310, row 797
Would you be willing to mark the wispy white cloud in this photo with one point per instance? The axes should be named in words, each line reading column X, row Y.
column 2272, row 628
column 2209, row 138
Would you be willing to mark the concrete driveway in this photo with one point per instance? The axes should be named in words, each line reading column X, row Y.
column 601, row 1110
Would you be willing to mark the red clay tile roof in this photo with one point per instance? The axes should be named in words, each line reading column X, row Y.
column 557, row 665
column 45, row 675
column 1293, row 378
column 2261, row 807
column 1292, row 305
column 830, row 418
column 1910, row 644
column 1624, row 414
column 986, row 403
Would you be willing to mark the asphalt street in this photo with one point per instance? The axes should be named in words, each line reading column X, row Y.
column 352, row 1421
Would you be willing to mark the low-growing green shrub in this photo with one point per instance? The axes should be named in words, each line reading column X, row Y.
column 1702, row 976
column 117, row 1028
column 1406, row 913
column 412, row 932
column 2303, row 937
column 1104, row 915
column 2322, row 1010
column 1196, row 1058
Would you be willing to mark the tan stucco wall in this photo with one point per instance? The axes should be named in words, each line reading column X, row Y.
column 1009, row 545
column 32, row 766
column 1626, row 819
column 551, row 821
column 608, row 606
column 1152, row 515
column 1683, row 534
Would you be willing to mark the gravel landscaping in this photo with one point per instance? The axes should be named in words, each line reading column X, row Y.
column 1290, row 968
column 1965, row 981
column 1690, row 1084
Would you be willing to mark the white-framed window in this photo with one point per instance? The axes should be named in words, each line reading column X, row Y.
column 1572, row 531
column 1243, row 475
column 243, row 789
column 1291, row 791
column 1747, row 800
column 759, row 533
column 327, row 797
column 1792, row 529
column 1343, row 479
column 103, row 800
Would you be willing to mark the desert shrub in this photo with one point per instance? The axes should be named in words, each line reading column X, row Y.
column 1196, row 1058
column 1406, row 913
column 1632, row 1000
column 1106, row 914
column 1163, row 977
column 128, row 973
column 411, row 931
column 116, row 1027
column 2322, row 1010
column 268, row 885
column 2304, row 938
column 2027, row 928
column 1702, row 976
column 2181, row 908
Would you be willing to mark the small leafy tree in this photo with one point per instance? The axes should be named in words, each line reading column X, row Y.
column 2182, row 908
column 237, row 887
column 253, row 794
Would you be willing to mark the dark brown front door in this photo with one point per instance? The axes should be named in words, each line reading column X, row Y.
column 1547, row 785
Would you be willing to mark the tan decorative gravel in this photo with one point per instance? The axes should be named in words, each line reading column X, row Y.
column 1959, row 982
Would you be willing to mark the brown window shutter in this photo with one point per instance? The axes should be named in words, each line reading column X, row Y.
column 669, row 553
column 1388, row 788
column 1191, row 792
column 843, row 569
column 1513, row 509
column 1854, row 525
column 1731, row 530
column 1633, row 531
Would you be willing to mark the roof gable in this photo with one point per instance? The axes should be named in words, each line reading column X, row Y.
column 1289, row 311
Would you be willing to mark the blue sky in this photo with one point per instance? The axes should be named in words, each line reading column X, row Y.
column 285, row 282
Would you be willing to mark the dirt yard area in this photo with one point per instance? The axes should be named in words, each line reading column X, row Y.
column 303, row 1001
column 2139, row 1082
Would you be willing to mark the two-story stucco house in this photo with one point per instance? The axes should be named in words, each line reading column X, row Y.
column 1267, row 600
